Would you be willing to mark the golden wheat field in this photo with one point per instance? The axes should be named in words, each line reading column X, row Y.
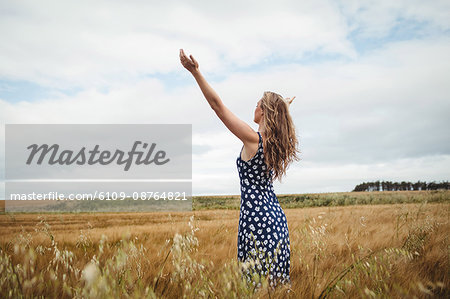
column 358, row 251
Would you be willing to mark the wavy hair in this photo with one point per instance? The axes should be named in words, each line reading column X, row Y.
column 280, row 143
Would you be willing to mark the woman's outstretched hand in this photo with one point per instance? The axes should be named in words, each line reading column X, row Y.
column 190, row 64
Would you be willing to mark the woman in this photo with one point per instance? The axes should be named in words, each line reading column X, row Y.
column 263, row 234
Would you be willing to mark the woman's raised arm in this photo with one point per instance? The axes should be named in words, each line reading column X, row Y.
column 237, row 126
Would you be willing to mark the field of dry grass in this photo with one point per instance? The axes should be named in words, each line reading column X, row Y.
column 306, row 200
column 379, row 251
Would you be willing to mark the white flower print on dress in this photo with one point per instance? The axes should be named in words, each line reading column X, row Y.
column 257, row 197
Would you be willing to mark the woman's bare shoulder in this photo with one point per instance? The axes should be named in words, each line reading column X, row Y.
column 250, row 148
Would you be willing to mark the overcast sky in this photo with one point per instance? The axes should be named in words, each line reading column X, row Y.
column 371, row 79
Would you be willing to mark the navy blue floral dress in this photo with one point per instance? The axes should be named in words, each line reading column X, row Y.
column 263, row 234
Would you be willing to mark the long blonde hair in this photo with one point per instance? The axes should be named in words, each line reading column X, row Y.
column 280, row 143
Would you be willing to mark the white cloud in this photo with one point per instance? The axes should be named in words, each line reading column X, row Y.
column 102, row 43
column 376, row 18
column 379, row 115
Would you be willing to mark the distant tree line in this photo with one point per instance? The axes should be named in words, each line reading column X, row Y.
column 402, row 186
